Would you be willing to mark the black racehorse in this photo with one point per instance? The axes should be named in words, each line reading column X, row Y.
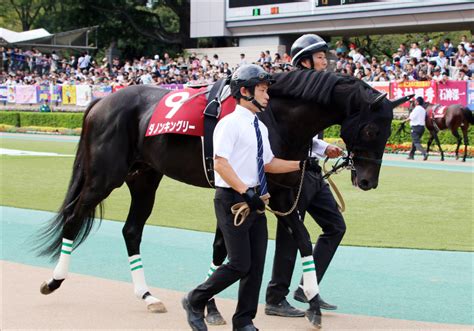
column 113, row 149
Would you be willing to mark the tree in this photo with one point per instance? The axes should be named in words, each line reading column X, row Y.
column 27, row 11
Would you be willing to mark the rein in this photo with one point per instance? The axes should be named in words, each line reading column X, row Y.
column 242, row 210
column 347, row 163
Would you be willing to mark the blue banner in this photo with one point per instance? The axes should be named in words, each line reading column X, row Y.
column 470, row 95
column 3, row 93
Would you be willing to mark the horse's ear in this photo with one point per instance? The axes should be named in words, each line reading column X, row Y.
column 397, row 102
column 375, row 102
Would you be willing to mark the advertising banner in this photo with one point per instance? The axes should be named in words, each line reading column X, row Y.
column 470, row 95
column 3, row 93
column 25, row 94
column 56, row 93
column 43, row 93
column 383, row 87
column 11, row 95
column 99, row 91
column 83, row 95
column 69, row 95
column 425, row 89
column 452, row 92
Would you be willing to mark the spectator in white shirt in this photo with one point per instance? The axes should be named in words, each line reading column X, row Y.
column 415, row 51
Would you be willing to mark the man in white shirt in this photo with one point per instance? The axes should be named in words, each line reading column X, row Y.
column 242, row 155
column 417, row 119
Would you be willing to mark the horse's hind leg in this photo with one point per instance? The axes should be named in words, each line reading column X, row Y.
column 430, row 141
column 439, row 145
column 142, row 183
column 219, row 254
column 79, row 223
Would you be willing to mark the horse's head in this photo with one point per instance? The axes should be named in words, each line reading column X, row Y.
column 365, row 132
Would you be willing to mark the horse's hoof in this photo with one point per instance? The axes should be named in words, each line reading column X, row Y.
column 215, row 318
column 157, row 307
column 314, row 317
column 44, row 289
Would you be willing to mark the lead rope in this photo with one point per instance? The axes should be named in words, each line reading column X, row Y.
column 341, row 205
column 242, row 210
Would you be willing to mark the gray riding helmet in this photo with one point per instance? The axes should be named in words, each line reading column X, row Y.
column 305, row 46
column 248, row 76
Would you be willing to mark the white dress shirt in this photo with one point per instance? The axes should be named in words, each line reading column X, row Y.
column 417, row 116
column 236, row 141
column 318, row 148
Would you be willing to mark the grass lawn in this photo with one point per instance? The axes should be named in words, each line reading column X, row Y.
column 411, row 208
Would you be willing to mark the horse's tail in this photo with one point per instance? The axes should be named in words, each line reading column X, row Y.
column 50, row 239
column 468, row 115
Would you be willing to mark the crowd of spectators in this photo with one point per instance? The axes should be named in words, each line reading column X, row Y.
column 448, row 62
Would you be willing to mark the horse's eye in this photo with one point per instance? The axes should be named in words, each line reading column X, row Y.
column 370, row 132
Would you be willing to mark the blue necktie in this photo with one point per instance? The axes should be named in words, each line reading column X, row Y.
column 261, row 171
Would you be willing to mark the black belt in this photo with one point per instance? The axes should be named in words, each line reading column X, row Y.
column 255, row 188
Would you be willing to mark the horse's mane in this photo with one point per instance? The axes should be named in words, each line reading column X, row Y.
column 310, row 85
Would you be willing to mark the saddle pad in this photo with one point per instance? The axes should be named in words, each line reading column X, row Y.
column 181, row 113
column 437, row 112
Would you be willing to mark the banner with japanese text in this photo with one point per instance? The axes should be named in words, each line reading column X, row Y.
column 3, row 93
column 69, row 95
column 83, row 95
column 452, row 92
column 425, row 89
column 99, row 91
column 383, row 87
column 470, row 95
column 25, row 94
column 43, row 93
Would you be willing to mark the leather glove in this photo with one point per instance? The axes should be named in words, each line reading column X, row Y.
column 311, row 164
column 253, row 200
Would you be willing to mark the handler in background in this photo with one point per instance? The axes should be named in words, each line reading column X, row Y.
column 308, row 53
column 242, row 155
column 417, row 119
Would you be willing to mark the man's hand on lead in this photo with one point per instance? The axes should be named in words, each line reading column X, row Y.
column 333, row 151
column 253, row 200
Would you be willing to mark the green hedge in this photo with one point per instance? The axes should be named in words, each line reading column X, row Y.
column 56, row 120
column 74, row 120
column 445, row 136
column 10, row 118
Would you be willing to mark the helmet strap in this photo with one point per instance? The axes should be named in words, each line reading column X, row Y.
column 254, row 102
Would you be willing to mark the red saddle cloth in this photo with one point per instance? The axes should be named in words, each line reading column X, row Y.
column 175, row 114
column 437, row 111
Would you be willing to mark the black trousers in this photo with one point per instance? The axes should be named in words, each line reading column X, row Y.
column 319, row 202
column 246, row 248
column 416, row 134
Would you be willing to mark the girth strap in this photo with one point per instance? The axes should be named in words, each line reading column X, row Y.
column 211, row 115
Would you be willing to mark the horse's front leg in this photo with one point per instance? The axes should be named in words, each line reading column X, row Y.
column 142, row 185
column 458, row 138
column 466, row 141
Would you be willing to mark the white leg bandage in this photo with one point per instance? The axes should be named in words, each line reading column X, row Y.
column 212, row 269
column 138, row 275
column 62, row 268
column 310, row 281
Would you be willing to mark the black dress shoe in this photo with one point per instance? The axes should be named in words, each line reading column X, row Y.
column 299, row 295
column 283, row 309
column 313, row 314
column 195, row 317
column 249, row 327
